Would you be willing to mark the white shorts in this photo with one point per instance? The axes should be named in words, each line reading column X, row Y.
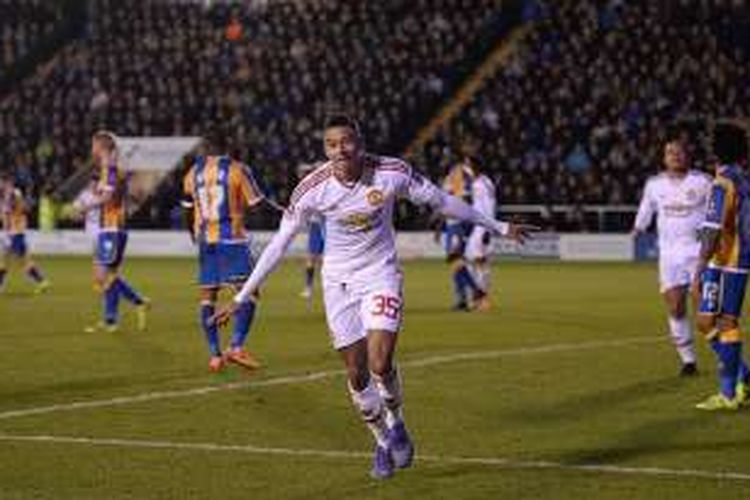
column 352, row 309
column 479, row 245
column 676, row 270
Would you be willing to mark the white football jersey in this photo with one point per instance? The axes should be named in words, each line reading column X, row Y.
column 358, row 218
column 93, row 215
column 483, row 196
column 679, row 205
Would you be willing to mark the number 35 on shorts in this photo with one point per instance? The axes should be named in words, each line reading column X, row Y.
column 386, row 305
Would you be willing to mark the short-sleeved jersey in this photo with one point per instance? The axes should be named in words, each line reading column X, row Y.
column 358, row 218
column 484, row 199
column 13, row 210
column 93, row 215
column 220, row 189
column 679, row 205
column 112, row 213
column 729, row 212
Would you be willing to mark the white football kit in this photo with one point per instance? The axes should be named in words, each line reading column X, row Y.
column 484, row 201
column 362, row 279
column 679, row 205
column 86, row 198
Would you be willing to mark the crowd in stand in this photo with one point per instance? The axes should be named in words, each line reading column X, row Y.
column 579, row 115
column 576, row 117
column 267, row 71
column 22, row 25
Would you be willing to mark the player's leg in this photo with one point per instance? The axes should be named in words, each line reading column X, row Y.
column 124, row 289
column 381, row 311
column 208, row 296
column 209, row 281
column 721, row 302
column 235, row 265
column 3, row 267
column 681, row 333
column 20, row 249
column 348, row 336
column 675, row 275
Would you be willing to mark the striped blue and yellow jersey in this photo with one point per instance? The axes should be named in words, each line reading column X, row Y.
column 221, row 189
column 112, row 215
column 458, row 182
column 729, row 213
column 13, row 211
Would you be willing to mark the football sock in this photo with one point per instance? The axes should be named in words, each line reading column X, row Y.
column 34, row 273
column 243, row 319
column 481, row 274
column 682, row 338
column 371, row 408
column 729, row 354
column 389, row 387
column 127, row 291
column 210, row 330
column 309, row 276
column 111, row 299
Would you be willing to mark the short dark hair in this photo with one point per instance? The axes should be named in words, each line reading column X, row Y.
column 729, row 142
column 216, row 140
column 676, row 133
column 342, row 120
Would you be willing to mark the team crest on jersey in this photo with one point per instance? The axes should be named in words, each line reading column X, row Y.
column 691, row 194
column 375, row 197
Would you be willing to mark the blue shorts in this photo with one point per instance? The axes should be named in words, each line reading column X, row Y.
column 722, row 292
column 110, row 248
column 315, row 240
column 224, row 263
column 18, row 245
column 454, row 238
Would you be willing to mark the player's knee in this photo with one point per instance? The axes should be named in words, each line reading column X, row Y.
column 380, row 365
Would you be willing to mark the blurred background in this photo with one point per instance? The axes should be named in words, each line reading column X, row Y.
column 568, row 101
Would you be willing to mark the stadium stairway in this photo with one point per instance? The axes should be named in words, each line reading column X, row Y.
column 496, row 59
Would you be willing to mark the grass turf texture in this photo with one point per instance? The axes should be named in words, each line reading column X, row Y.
column 524, row 393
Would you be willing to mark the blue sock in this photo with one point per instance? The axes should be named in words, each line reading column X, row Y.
column 210, row 330
column 127, row 291
column 243, row 319
column 35, row 274
column 730, row 355
column 458, row 288
column 467, row 280
column 3, row 272
column 111, row 298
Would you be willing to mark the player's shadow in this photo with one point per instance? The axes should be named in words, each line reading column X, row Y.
column 669, row 436
column 583, row 406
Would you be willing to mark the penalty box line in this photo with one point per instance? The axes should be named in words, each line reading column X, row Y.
column 320, row 375
column 497, row 462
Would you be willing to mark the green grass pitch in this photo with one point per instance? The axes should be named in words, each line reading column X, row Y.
column 567, row 389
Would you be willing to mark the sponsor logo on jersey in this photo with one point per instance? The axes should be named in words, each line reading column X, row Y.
column 375, row 197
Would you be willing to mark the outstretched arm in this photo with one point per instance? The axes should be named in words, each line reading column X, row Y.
column 269, row 259
column 422, row 191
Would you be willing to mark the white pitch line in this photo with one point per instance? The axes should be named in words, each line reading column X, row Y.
column 503, row 463
column 311, row 377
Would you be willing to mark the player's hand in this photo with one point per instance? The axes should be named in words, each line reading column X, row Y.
column 222, row 316
column 522, row 232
